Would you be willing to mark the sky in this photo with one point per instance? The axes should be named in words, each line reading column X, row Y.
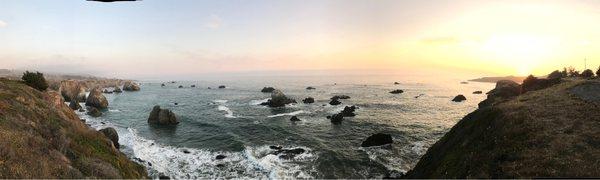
column 153, row 38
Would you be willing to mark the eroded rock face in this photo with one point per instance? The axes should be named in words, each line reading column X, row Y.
column 131, row 86
column 162, row 117
column 72, row 90
column 278, row 99
column 96, row 99
column 111, row 133
column 377, row 140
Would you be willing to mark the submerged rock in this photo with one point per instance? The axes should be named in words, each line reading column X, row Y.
column 397, row 91
column 94, row 112
column 222, row 87
column 131, row 86
column 111, row 134
column 96, row 99
column 162, row 116
column 335, row 102
column 459, row 98
column 377, row 140
column 267, row 89
column 278, row 99
column 74, row 105
column 348, row 111
column 310, row 88
column 336, row 118
column 294, row 118
column 308, row 100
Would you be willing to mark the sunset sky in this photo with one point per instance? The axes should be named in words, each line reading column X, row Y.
column 139, row 39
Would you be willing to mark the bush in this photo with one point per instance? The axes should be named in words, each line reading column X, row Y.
column 532, row 83
column 588, row 73
column 564, row 73
column 572, row 72
column 598, row 72
column 35, row 80
column 555, row 75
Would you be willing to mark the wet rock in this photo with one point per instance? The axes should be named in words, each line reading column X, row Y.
column 340, row 97
column 81, row 109
column 193, row 86
column 176, row 104
column 336, row 118
column 267, row 89
column 459, row 98
column 162, row 85
column 335, row 102
column 96, row 99
column 396, row 83
column 162, row 117
column 74, row 105
column 278, row 99
column 162, row 176
column 117, row 90
column 348, row 111
column 94, row 112
column 186, row 151
column 288, row 153
column 222, row 87
column 294, row 118
column 397, row 91
column 308, row 100
column 131, row 86
column 106, row 91
column 310, row 88
column 180, row 86
column 377, row 140
column 477, row 92
column 220, row 156
column 209, row 88
column 111, row 134
column 275, row 147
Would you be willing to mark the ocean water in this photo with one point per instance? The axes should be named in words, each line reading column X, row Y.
column 231, row 122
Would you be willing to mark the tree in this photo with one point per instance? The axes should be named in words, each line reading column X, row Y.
column 35, row 80
column 555, row 75
column 598, row 72
column 588, row 73
column 572, row 72
column 564, row 72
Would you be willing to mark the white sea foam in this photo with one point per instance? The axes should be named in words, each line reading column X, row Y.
column 288, row 114
column 227, row 110
column 258, row 102
column 220, row 101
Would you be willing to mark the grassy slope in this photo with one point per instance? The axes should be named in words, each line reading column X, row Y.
column 43, row 138
column 544, row 133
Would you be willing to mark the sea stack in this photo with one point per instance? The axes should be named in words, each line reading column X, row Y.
column 131, row 86
column 162, row 117
column 96, row 99
column 278, row 99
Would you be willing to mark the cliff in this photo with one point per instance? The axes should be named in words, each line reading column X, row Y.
column 40, row 137
column 553, row 132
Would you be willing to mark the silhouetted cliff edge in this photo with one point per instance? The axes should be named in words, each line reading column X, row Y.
column 552, row 132
column 41, row 137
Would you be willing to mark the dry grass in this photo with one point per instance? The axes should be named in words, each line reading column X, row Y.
column 43, row 138
column 544, row 133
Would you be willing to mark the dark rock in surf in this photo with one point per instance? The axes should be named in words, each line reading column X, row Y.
column 397, row 91
column 278, row 99
column 340, row 97
column 348, row 111
column 162, row 117
column 111, row 134
column 94, row 112
column 162, row 85
column 288, row 153
column 294, row 118
column 74, row 105
column 186, row 151
column 267, row 89
column 377, row 140
column 459, row 98
column 477, row 92
column 117, row 90
column 275, row 147
column 336, row 118
column 220, row 156
column 180, row 86
column 308, row 100
column 222, row 87
column 335, row 102
column 193, row 86
column 106, row 91
column 310, row 88
column 396, row 83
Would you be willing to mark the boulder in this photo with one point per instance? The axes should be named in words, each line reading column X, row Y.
column 294, row 118
column 278, row 99
column 72, row 90
column 477, row 92
column 377, row 140
column 96, row 99
column 267, row 89
column 222, row 87
column 336, row 118
column 74, row 105
column 397, row 91
column 162, row 116
column 193, row 86
column 396, row 83
column 111, row 134
column 288, row 153
column 131, row 86
column 335, row 102
column 308, row 100
column 180, row 86
column 162, row 85
column 348, row 111
column 106, row 91
column 459, row 98
column 310, row 88
column 340, row 97
column 94, row 112
column 220, row 156
column 117, row 90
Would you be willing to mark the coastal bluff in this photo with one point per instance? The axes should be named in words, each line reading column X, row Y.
column 552, row 132
column 43, row 138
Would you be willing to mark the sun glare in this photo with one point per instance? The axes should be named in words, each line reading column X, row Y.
column 520, row 51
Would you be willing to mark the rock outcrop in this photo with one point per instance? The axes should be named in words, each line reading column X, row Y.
column 111, row 134
column 162, row 117
column 117, row 90
column 267, row 89
column 278, row 99
column 130, row 86
column 96, row 99
column 72, row 90
column 377, row 140
column 532, row 83
column 336, row 118
column 504, row 90
column 349, row 111
column 459, row 98
column 308, row 100
column 397, row 91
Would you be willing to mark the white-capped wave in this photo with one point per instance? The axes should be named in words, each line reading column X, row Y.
column 220, row 101
column 258, row 102
column 227, row 110
column 288, row 114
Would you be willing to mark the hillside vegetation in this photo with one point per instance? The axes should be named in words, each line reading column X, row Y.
column 40, row 137
column 552, row 132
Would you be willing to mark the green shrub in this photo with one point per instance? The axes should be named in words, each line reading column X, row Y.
column 35, row 80
column 555, row 75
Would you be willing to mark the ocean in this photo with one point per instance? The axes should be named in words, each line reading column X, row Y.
column 231, row 122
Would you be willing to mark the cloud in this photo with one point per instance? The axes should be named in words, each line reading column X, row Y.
column 440, row 40
column 214, row 22
column 3, row 24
